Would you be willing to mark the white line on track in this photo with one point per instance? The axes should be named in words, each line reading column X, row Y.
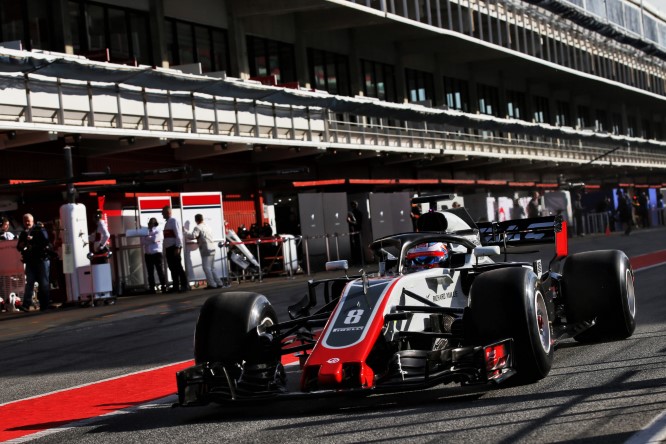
column 653, row 433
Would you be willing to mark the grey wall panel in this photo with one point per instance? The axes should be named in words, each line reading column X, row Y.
column 400, row 208
column 381, row 215
column 311, row 212
column 335, row 221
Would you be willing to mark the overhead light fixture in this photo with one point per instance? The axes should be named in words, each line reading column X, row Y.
column 176, row 143
column 72, row 139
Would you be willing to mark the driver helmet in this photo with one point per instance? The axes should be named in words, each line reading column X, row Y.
column 428, row 255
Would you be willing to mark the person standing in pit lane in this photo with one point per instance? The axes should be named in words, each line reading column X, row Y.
column 624, row 211
column 355, row 221
column 204, row 237
column 533, row 205
column 173, row 246
column 5, row 234
column 152, row 253
column 100, row 238
column 36, row 251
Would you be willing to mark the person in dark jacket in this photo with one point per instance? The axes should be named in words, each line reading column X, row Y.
column 624, row 211
column 355, row 221
column 36, row 250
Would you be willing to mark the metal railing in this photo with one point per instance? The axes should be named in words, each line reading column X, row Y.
column 127, row 113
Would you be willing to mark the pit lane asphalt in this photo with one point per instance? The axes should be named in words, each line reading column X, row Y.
column 595, row 393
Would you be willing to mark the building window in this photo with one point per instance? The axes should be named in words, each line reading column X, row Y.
column 563, row 117
column 488, row 100
column 616, row 124
column 632, row 126
column 102, row 32
column 30, row 22
column 329, row 71
column 420, row 87
column 541, row 111
column 646, row 129
column 516, row 105
column 192, row 43
column 583, row 117
column 271, row 58
column 457, row 94
column 601, row 121
column 378, row 80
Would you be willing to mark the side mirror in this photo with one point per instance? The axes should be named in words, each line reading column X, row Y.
column 337, row 265
column 486, row 251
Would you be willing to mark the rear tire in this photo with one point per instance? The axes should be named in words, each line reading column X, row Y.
column 226, row 331
column 600, row 285
column 509, row 303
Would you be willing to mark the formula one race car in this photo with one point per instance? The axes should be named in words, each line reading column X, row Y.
column 439, row 310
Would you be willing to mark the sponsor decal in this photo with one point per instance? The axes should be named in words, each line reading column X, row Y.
column 442, row 296
column 333, row 361
column 335, row 330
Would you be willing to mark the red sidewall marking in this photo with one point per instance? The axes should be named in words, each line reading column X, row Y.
column 28, row 416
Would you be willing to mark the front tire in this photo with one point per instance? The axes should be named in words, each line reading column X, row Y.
column 599, row 285
column 227, row 330
column 509, row 303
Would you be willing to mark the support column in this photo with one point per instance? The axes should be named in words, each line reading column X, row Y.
column 400, row 78
column 239, row 64
column 157, row 26
column 438, row 80
column 301, row 55
column 69, row 173
column 355, row 71
column 62, row 31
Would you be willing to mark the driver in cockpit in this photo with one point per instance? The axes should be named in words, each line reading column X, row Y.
column 427, row 255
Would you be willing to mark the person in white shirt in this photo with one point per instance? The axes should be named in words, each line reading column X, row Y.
column 173, row 246
column 152, row 252
column 204, row 237
column 5, row 234
column 101, row 236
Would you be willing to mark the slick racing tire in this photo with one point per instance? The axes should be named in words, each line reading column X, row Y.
column 229, row 329
column 509, row 303
column 599, row 285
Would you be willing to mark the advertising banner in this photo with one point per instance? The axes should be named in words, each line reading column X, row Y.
column 209, row 205
column 151, row 206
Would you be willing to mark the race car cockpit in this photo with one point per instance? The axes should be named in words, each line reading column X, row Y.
column 427, row 255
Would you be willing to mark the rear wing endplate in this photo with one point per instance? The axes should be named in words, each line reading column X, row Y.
column 532, row 231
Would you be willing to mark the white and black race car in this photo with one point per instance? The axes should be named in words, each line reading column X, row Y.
column 440, row 309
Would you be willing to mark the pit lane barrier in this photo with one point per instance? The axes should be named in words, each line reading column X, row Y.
column 288, row 254
column 237, row 265
column 605, row 222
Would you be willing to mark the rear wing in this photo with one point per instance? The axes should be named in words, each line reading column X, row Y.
column 521, row 232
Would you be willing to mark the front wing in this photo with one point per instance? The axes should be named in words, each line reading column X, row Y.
column 215, row 382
